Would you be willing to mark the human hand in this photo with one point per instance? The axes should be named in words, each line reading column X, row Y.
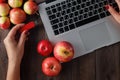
column 113, row 12
column 15, row 49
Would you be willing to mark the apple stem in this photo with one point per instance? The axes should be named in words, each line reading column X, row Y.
column 51, row 67
column 66, row 52
column 37, row 13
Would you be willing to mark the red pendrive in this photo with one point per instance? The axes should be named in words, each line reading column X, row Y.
column 27, row 26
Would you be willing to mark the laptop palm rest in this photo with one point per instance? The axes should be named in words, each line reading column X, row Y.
column 95, row 37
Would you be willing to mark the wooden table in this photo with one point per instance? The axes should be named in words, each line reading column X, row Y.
column 102, row 64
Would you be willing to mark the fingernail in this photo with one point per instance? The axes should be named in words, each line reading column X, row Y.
column 26, row 32
column 107, row 7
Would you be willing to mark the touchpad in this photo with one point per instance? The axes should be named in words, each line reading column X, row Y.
column 95, row 37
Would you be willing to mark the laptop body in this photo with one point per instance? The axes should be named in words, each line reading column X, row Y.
column 96, row 29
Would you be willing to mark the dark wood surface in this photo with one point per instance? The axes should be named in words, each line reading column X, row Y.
column 102, row 64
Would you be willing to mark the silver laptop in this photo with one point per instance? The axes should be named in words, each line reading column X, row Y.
column 84, row 23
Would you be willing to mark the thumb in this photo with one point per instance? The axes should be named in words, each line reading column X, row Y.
column 114, row 13
column 22, row 39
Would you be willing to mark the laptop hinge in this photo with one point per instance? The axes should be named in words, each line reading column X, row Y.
column 49, row 1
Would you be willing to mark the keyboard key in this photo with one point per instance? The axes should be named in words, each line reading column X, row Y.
column 68, row 11
column 56, row 32
column 52, row 17
column 63, row 12
column 85, row 15
column 63, row 2
column 91, row 8
column 76, row 13
column 91, row 19
column 66, row 17
column 48, row 8
column 64, row 6
column 83, row 5
column 101, row 4
column 105, row 2
column 58, row 14
column 96, row 6
column 61, row 19
column 79, row 1
column 54, row 10
column 80, row 17
column 59, row 8
column 74, row 3
column 66, row 28
column 102, row 15
column 93, row 1
column 69, row 5
column 58, row 4
column 73, row 9
column 95, row 11
column 70, row 21
column 83, row 0
column 49, row 12
column 71, row 15
column 78, row 7
column 61, row 30
column 54, row 21
column 90, row 13
column 60, row 24
column 100, row 10
column 55, row 26
column 65, row 23
column 72, row 26
column 53, row 6
column 88, row 3
column 81, row 11
column 107, row 13
column 75, row 19
column 86, row 10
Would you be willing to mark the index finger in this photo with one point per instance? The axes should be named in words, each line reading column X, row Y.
column 14, row 30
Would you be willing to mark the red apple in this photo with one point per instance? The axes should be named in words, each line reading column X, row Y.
column 4, row 22
column 15, row 3
column 4, row 9
column 64, row 51
column 17, row 16
column 44, row 47
column 51, row 66
column 2, row 1
column 30, row 7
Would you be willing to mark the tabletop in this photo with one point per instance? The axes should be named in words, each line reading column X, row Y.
column 101, row 64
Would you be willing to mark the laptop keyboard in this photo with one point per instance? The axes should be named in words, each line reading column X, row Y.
column 71, row 14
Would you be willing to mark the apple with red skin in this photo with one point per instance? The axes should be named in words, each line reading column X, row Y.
column 4, row 23
column 4, row 9
column 63, row 51
column 15, row 3
column 2, row 1
column 30, row 7
column 44, row 47
column 51, row 66
column 17, row 16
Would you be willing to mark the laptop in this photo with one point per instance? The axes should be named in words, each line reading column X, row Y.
column 86, row 24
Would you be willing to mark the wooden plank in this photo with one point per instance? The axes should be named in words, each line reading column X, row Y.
column 107, row 63
column 3, row 55
column 82, row 68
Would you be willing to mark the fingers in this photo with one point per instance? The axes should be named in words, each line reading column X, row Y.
column 114, row 13
column 23, row 38
column 118, row 3
column 14, row 30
